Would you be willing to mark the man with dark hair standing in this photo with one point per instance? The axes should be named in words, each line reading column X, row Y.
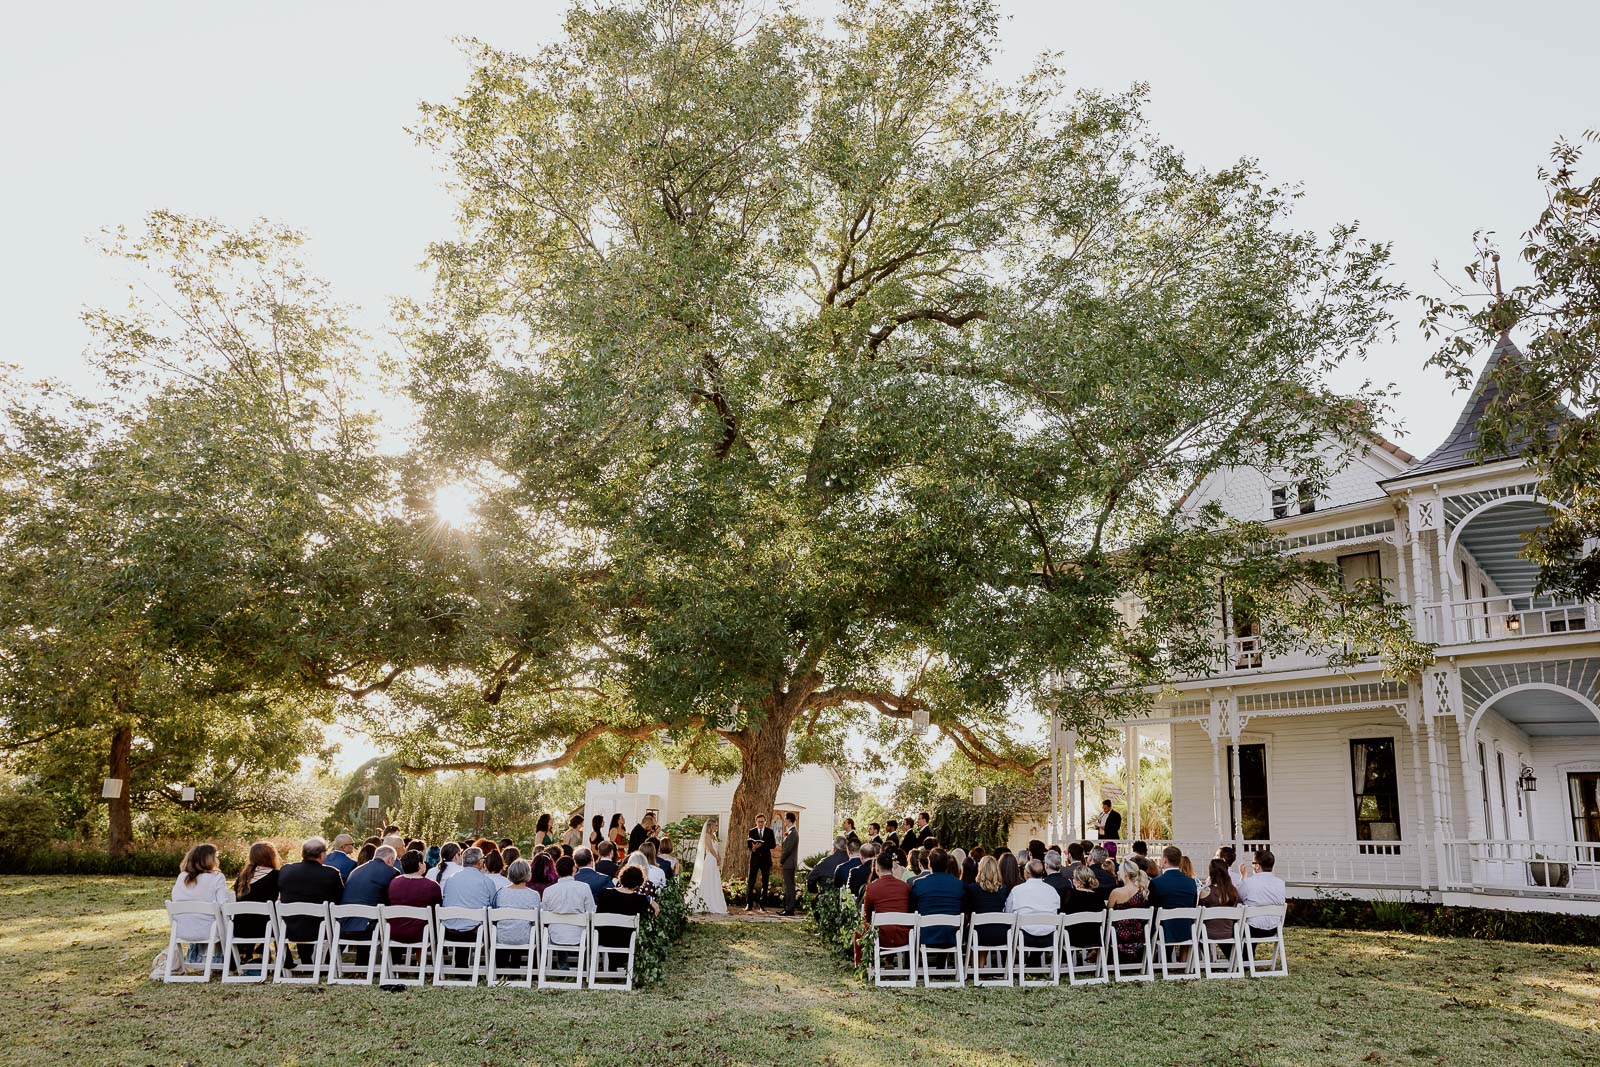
column 760, row 841
column 789, row 860
column 1109, row 824
column 891, row 838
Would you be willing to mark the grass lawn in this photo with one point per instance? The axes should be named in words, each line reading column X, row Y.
column 75, row 953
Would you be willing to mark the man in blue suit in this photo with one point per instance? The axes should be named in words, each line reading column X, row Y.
column 597, row 882
column 339, row 857
column 367, row 884
column 938, row 893
column 1174, row 889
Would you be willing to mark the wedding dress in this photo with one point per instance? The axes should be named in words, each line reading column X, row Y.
column 705, row 885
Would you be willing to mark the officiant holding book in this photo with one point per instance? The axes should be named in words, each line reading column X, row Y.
column 760, row 841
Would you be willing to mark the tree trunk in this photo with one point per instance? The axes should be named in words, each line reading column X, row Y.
column 762, row 751
column 120, row 809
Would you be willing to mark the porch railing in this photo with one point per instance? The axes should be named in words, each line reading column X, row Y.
column 1359, row 863
column 1553, row 868
column 1504, row 618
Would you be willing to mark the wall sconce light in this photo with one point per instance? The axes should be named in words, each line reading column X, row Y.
column 1514, row 623
column 1526, row 781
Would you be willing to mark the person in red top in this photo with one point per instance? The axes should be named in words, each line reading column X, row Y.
column 887, row 893
column 412, row 889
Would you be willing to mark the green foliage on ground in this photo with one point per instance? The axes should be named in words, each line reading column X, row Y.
column 1396, row 913
column 78, row 954
column 659, row 934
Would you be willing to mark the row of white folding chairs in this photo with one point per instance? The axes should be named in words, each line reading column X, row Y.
column 1014, row 959
column 546, row 961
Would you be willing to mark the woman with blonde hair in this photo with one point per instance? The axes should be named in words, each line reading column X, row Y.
column 200, row 878
column 987, row 892
column 1132, row 893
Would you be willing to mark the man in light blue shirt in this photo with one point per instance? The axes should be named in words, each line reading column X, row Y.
column 467, row 888
column 567, row 897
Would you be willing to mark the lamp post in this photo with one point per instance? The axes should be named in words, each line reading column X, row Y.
column 373, row 804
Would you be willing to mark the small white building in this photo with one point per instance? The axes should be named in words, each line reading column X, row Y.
column 1477, row 783
column 807, row 790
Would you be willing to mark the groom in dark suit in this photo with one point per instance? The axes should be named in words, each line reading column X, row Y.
column 789, row 860
column 760, row 841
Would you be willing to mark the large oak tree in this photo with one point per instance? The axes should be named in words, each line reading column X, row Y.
column 804, row 372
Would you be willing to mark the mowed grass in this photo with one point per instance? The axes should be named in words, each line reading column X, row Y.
column 75, row 955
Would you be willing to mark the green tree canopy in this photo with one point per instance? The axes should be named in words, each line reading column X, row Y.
column 803, row 371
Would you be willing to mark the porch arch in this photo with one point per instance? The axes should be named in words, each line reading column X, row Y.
column 1471, row 735
column 1465, row 521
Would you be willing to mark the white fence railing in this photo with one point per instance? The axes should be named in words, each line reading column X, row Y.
column 1374, row 863
column 1555, row 868
column 1504, row 618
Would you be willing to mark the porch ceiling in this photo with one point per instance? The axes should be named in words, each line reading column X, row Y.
column 1494, row 539
column 1546, row 713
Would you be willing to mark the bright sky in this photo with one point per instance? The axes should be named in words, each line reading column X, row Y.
column 1424, row 120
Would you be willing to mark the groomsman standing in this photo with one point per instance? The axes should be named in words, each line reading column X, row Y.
column 789, row 860
column 760, row 841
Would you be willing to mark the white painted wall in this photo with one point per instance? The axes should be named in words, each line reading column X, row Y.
column 807, row 790
column 1246, row 492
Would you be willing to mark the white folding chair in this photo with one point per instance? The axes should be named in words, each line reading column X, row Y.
column 354, row 972
column 994, row 960
column 894, row 975
column 955, row 972
column 1166, row 947
column 524, row 975
column 1046, row 968
column 447, row 966
column 1214, row 961
column 396, row 967
column 288, row 969
column 1276, row 964
column 176, row 968
column 1084, row 966
column 234, row 967
column 1134, row 970
column 550, row 975
column 603, row 970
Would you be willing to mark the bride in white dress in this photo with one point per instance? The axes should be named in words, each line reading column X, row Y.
column 705, row 885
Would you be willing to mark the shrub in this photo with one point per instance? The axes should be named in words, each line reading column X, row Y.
column 658, row 933
column 836, row 920
column 1487, row 924
column 155, row 859
column 26, row 821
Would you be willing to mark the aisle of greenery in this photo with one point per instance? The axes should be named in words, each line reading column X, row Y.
column 74, row 954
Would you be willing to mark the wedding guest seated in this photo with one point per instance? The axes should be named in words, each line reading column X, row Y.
column 1220, row 893
column 822, row 873
column 657, row 873
column 1075, row 855
column 859, row 874
column 887, row 894
column 368, row 884
column 200, row 879
column 1010, row 872
column 1132, row 893
column 412, row 889
column 624, row 898
column 544, row 872
column 841, row 873
column 938, row 893
column 504, row 843
column 1098, row 863
column 606, row 859
column 1084, row 896
column 983, row 894
column 917, row 867
column 969, row 871
column 1258, row 885
column 339, row 856
column 396, row 843
column 430, row 858
column 1055, row 877
column 470, row 887
column 368, row 850
column 1227, row 855
column 567, row 897
column 1174, row 889
column 510, row 854
column 666, row 858
column 1036, row 851
column 447, row 864
column 494, row 865
column 516, row 894
column 308, row 882
column 959, row 856
column 258, row 884
column 1034, row 894
column 586, row 873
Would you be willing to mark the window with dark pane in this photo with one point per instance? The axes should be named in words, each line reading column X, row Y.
column 1376, row 788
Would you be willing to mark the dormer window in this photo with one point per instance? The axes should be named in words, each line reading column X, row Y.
column 1280, row 502
column 1305, row 500
column 1308, row 499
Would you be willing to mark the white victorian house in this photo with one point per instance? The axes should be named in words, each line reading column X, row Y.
column 1478, row 783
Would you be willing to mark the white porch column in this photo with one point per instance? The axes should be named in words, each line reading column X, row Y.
column 1435, row 773
column 1216, row 786
column 1422, row 513
column 1447, row 617
column 1238, row 793
column 1054, row 829
column 1071, row 829
column 1127, row 770
column 1412, row 710
column 1472, row 782
column 1133, row 782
